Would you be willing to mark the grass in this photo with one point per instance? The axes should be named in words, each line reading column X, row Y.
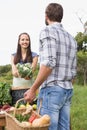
column 79, row 108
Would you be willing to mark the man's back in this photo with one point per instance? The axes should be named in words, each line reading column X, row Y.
column 60, row 53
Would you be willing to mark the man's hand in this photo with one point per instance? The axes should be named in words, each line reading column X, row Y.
column 30, row 95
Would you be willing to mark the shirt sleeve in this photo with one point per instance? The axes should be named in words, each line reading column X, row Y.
column 34, row 54
column 74, row 65
column 47, row 48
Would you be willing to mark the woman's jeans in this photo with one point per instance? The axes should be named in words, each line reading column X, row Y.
column 55, row 101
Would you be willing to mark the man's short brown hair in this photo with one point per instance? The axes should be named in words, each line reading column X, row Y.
column 54, row 12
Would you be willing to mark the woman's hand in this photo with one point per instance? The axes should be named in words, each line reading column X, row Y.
column 27, row 78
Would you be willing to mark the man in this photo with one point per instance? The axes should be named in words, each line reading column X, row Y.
column 57, row 70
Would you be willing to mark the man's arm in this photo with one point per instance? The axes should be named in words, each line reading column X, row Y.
column 43, row 74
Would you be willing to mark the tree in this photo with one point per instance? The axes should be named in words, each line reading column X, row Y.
column 79, row 38
column 82, row 66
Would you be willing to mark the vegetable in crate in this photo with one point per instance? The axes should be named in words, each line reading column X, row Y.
column 45, row 119
column 5, row 96
column 21, row 117
column 25, row 70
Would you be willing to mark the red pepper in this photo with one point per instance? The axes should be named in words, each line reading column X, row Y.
column 32, row 118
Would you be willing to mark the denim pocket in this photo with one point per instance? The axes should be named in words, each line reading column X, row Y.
column 55, row 100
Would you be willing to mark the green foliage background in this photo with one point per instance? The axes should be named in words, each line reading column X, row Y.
column 82, row 68
column 6, row 74
column 79, row 108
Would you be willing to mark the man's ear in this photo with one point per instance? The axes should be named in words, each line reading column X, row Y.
column 46, row 17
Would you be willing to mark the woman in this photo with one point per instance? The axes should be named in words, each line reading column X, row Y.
column 22, row 56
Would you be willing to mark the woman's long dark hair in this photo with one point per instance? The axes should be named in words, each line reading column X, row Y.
column 18, row 56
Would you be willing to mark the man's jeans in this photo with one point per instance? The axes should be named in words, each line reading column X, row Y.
column 55, row 101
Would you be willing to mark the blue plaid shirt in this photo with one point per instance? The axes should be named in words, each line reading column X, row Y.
column 58, row 51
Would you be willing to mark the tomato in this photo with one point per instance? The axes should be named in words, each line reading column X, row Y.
column 32, row 118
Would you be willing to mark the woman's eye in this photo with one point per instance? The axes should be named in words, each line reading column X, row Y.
column 24, row 39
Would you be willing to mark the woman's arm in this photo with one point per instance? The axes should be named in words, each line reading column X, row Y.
column 34, row 63
column 14, row 68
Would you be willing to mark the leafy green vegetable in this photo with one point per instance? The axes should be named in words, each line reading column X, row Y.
column 25, row 70
column 5, row 96
column 21, row 118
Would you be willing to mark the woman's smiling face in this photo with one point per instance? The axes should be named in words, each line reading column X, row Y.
column 24, row 41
